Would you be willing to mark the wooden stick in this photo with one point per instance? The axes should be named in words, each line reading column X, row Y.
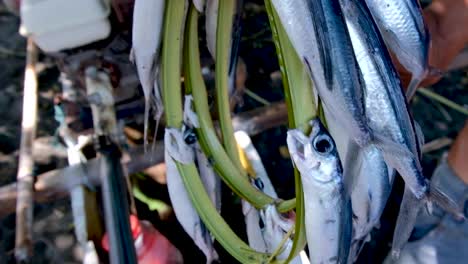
column 55, row 184
column 25, row 177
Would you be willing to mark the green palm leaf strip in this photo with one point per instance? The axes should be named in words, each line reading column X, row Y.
column 301, row 108
column 232, row 174
column 223, row 43
column 172, row 93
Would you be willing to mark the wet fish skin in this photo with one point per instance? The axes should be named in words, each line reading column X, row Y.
column 393, row 129
column 211, row 20
column 185, row 212
column 268, row 238
column 199, row 5
column 371, row 193
column 386, row 109
column 370, row 187
column 318, row 33
column 403, row 29
column 327, row 209
column 148, row 15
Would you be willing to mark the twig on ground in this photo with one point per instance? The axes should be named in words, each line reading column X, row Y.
column 25, row 177
column 256, row 97
column 434, row 96
column 436, row 144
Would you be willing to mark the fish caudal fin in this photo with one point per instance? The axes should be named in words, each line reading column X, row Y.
column 409, row 209
column 145, row 124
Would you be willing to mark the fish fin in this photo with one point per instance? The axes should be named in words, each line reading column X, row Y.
column 131, row 57
column 419, row 137
column 145, row 125
column 357, row 247
column 389, row 146
column 409, row 209
column 352, row 165
column 413, row 85
column 441, row 199
column 156, row 127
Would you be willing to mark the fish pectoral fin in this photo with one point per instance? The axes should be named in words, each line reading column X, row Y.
column 406, row 220
column 438, row 197
column 131, row 57
column 413, row 85
column 389, row 146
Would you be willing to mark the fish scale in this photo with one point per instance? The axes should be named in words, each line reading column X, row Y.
column 402, row 26
column 318, row 33
column 389, row 119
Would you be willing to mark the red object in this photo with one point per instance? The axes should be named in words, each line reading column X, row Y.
column 150, row 245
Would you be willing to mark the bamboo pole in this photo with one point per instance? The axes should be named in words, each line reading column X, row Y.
column 25, row 177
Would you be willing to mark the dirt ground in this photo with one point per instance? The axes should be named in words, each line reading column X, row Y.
column 53, row 228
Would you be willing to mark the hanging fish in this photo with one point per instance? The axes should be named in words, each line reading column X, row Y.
column 177, row 149
column 403, row 29
column 386, row 110
column 319, row 35
column 327, row 209
column 211, row 22
column 268, row 238
column 148, row 17
column 199, row 5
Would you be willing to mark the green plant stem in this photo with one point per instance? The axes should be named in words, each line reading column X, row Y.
column 223, row 42
column 235, row 177
column 301, row 109
column 450, row 104
column 173, row 25
column 256, row 97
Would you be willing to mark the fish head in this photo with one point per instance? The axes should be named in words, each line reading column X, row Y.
column 322, row 150
column 315, row 156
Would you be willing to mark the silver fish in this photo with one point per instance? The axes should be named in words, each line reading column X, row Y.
column 265, row 239
column 186, row 214
column 327, row 209
column 371, row 193
column 387, row 112
column 148, row 16
column 211, row 23
column 319, row 35
column 199, row 5
column 371, row 184
column 402, row 26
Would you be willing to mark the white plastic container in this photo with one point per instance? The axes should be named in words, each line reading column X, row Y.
column 63, row 24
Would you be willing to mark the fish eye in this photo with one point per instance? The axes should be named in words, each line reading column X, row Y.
column 323, row 144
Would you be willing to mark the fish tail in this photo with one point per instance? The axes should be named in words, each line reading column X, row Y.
column 438, row 197
column 413, row 85
column 409, row 208
column 356, row 249
column 145, row 125
column 153, row 144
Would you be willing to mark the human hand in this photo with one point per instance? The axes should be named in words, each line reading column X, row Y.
column 447, row 22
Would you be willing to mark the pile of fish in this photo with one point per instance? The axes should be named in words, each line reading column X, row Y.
column 348, row 168
column 344, row 45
